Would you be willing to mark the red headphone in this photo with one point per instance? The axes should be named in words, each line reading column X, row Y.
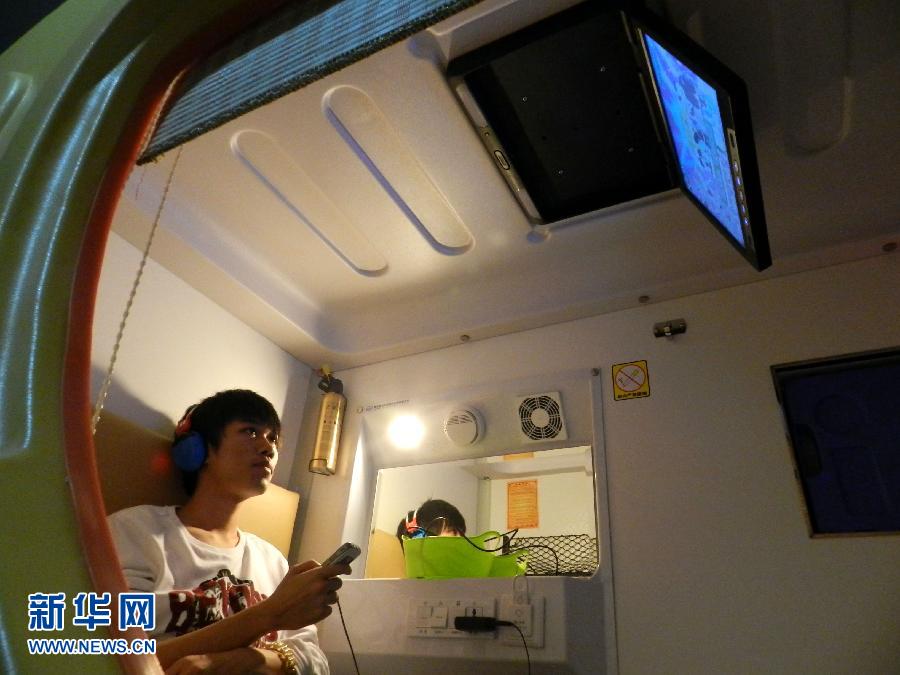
column 412, row 526
column 184, row 425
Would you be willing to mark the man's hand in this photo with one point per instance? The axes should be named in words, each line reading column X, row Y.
column 304, row 596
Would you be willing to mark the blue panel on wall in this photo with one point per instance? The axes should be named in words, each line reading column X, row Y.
column 843, row 418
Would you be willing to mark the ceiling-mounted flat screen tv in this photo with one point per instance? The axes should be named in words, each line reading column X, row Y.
column 560, row 107
column 561, row 110
column 704, row 109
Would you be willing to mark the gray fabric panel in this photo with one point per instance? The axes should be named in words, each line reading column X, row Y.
column 304, row 42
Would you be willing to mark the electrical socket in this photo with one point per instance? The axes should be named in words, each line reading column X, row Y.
column 470, row 607
column 435, row 618
column 527, row 614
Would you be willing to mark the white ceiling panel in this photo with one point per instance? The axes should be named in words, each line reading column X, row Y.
column 360, row 218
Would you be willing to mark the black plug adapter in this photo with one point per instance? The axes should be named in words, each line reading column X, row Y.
column 478, row 624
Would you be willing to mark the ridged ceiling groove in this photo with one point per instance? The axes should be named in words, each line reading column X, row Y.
column 385, row 153
column 299, row 192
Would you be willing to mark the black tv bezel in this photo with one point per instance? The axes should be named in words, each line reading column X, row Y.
column 734, row 106
column 539, row 210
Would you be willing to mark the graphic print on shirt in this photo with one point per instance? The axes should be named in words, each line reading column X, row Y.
column 211, row 601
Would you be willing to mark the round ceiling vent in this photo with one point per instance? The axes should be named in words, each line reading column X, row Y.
column 464, row 426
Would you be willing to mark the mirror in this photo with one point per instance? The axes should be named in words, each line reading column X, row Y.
column 544, row 500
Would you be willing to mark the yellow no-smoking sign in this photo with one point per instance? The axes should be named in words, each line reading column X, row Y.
column 631, row 380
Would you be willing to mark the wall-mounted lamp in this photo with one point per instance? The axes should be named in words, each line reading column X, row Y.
column 669, row 328
column 406, row 432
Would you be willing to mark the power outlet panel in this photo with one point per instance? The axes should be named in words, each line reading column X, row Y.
column 435, row 618
column 528, row 614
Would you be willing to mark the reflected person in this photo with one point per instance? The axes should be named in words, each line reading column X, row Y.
column 434, row 518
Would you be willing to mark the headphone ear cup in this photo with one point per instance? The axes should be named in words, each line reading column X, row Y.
column 190, row 452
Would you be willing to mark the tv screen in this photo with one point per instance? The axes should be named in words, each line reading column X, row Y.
column 705, row 113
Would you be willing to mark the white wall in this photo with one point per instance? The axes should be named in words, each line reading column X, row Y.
column 405, row 488
column 565, row 505
column 714, row 569
column 565, row 500
column 180, row 347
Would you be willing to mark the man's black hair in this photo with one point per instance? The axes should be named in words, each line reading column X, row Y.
column 210, row 417
column 435, row 515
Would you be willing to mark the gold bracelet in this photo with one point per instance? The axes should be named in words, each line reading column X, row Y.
column 286, row 655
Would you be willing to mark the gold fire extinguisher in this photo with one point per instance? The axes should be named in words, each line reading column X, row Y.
column 331, row 418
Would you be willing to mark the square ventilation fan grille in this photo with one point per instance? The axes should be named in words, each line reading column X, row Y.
column 541, row 417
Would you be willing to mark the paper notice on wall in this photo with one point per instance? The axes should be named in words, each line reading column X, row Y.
column 521, row 504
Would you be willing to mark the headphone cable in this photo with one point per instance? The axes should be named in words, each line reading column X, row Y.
column 493, row 550
column 347, row 634
column 524, row 641
column 549, row 548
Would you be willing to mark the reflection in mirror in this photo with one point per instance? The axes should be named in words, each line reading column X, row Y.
column 544, row 500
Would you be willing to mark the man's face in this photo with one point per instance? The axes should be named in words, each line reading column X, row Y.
column 245, row 460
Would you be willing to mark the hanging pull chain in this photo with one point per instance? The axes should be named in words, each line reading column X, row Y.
column 104, row 388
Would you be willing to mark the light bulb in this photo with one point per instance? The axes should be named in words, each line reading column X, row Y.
column 406, row 432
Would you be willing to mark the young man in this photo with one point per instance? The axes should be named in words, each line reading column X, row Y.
column 226, row 600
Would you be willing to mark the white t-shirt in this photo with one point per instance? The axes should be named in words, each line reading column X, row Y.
column 197, row 584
